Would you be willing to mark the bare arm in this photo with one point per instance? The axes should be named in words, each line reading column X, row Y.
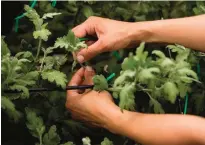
column 156, row 129
column 189, row 31
column 98, row 108
column 114, row 35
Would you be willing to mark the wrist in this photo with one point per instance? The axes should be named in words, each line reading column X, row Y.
column 119, row 122
column 145, row 31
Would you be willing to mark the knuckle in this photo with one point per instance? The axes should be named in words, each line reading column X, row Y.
column 92, row 18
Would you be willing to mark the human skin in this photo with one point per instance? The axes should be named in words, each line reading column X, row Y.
column 114, row 35
column 98, row 108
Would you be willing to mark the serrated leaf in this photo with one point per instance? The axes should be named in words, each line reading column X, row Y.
column 87, row 11
column 70, row 42
column 25, row 91
column 183, row 89
column 50, row 15
column 9, row 108
column 106, row 141
column 171, row 91
column 34, row 17
column 55, row 76
column 187, row 72
column 157, row 106
column 34, row 123
column 24, row 54
column 51, row 138
column 86, row 141
column 124, row 76
column 4, row 48
column 42, row 34
column 160, row 54
column 148, row 73
column 100, row 83
column 129, row 63
column 127, row 97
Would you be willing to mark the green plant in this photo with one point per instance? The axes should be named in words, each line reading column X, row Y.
column 43, row 58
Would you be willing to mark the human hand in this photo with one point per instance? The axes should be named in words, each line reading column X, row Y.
column 94, row 108
column 112, row 35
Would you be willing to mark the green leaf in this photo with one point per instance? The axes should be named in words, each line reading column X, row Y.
column 141, row 55
column 34, row 123
column 171, row 91
column 50, row 15
column 24, row 54
column 127, row 97
column 4, row 48
column 55, row 76
column 183, row 89
column 187, row 72
column 160, row 54
column 148, row 73
column 70, row 42
column 86, row 141
column 106, row 141
column 100, row 83
column 127, row 75
column 87, row 11
column 25, row 91
column 51, row 138
column 157, row 106
column 42, row 34
column 9, row 108
column 129, row 63
column 34, row 17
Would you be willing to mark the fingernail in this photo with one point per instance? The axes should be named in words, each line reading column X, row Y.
column 88, row 68
column 80, row 58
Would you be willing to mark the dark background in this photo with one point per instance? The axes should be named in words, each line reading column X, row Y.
column 12, row 134
column 10, row 10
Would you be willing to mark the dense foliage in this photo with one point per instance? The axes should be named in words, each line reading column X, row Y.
column 148, row 80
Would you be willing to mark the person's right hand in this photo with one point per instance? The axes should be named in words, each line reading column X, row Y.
column 111, row 34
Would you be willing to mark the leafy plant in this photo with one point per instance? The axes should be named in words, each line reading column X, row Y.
column 41, row 55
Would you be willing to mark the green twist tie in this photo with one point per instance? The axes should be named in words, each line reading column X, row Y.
column 186, row 103
column 32, row 3
column 84, row 39
column 110, row 77
column 53, row 3
column 116, row 54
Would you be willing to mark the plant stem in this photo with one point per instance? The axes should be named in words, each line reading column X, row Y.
column 44, row 56
column 40, row 139
column 38, row 49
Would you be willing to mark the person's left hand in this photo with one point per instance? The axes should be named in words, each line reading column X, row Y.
column 94, row 108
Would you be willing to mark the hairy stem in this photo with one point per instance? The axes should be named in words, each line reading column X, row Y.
column 44, row 56
column 38, row 49
column 40, row 139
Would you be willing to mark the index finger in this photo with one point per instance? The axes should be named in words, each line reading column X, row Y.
column 77, row 79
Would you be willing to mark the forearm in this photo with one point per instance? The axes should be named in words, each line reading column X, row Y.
column 189, row 31
column 159, row 129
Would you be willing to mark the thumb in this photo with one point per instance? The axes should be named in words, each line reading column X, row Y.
column 88, row 74
column 90, row 52
column 80, row 30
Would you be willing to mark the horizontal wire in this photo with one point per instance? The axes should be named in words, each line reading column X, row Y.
column 52, row 89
